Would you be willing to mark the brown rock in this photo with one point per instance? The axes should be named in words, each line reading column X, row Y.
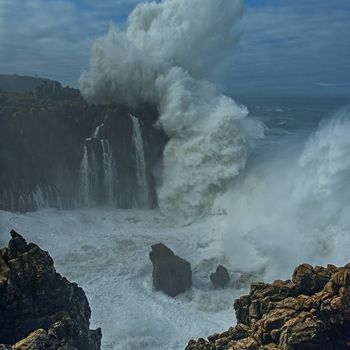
column 311, row 312
column 40, row 309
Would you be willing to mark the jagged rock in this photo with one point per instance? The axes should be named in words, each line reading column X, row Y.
column 171, row 274
column 220, row 277
column 40, row 309
column 311, row 312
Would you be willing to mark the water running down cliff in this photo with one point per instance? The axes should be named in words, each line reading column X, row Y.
column 164, row 57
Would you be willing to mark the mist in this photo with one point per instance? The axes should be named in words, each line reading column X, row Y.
column 218, row 128
column 164, row 57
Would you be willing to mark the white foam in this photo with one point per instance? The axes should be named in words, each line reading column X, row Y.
column 106, row 252
column 291, row 205
column 166, row 56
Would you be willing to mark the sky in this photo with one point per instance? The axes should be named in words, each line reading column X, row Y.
column 284, row 43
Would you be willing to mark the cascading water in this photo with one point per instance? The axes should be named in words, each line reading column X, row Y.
column 97, row 131
column 143, row 190
column 40, row 199
column 166, row 59
column 108, row 171
column 85, row 178
column 97, row 172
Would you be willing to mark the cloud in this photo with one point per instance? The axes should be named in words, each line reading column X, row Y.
column 283, row 41
column 53, row 38
column 293, row 42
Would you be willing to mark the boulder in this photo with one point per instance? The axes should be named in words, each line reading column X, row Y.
column 220, row 277
column 171, row 274
column 40, row 309
column 311, row 312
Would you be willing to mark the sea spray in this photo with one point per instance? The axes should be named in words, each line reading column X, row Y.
column 291, row 205
column 165, row 57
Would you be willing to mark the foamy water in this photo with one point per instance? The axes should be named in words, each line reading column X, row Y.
column 290, row 205
column 106, row 252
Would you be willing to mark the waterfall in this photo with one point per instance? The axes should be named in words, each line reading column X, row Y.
column 40, row 200
column 97, row 131
column 97, row 171
column 143, row 190
column 85, row 177
column 108, row 170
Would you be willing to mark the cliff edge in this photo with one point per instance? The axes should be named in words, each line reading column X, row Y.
column 309, row 312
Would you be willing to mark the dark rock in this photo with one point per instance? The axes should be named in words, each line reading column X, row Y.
column 220, row 277
column 42, row 137
column 171, row 274
column 17, row 245
column 40, row 309
column 311, row 280
column 311, row 312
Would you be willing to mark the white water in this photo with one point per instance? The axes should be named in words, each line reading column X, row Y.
column 89, row 175
column 143, row 190
column 167, row 56
column 85, row 177
column 40, row 200
column 289, row 206
column 106, row 252
column 292, row 203
column 109, row 175
column 42, row 196
column 97, row 131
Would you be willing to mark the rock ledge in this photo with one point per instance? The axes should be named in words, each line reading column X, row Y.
column 311, row 312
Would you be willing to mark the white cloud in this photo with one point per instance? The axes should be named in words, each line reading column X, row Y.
column 282, row 39
column 49, row 38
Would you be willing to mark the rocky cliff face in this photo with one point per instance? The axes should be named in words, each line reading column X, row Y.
column 44, row 135
column 40, row 309
column 310, row 312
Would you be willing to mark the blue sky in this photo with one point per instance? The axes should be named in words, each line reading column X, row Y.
column 283, row 42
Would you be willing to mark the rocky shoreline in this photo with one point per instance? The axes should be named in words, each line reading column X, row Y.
column 309, row 312
column 40, row 309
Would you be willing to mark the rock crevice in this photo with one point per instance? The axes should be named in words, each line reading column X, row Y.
column 40, row 309
column 310, row 312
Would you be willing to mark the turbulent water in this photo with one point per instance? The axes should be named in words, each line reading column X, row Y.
column 106, row 252
column 289, row 205
column 258, row 205
column 167, row 56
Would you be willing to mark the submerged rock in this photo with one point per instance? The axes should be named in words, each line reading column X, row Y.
column 40, row 309
column 311, row 312
column 220, row 277
column 171, row 274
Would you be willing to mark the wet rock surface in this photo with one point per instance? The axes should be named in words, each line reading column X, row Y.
column 220, row 277
column 42, row 138
column 171, row 274
column 40, row 309
column 311, row 312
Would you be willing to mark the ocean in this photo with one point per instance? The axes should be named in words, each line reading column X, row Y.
column 289, row 205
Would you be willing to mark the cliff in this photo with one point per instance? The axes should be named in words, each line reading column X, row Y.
column 19, row 83
column 310, row 312
column 40, row 309
column 44, row 135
